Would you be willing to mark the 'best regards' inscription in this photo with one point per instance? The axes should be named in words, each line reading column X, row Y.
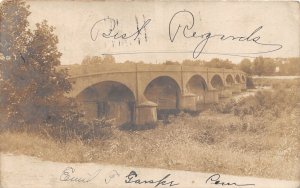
column 108, row 29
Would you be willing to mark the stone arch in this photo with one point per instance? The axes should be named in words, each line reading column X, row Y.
column 110, row 99
column 217, row 82
column 229, row 79
column 238, row 78
column 198, row 86
column 164, row 91
column 82, row 82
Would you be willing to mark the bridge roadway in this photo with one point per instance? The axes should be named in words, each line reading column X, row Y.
column 135, row 93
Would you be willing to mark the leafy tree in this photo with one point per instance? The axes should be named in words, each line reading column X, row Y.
column 282, row 66
column 188, row 62
column 192, row 62
column 219, row 63
column 264, row 66
column 14, row 38
column 129, row 62
column 293, row 66
column 246, row 66
column 269, row 66
column 32, row 89
column 14, row 28
column 88, row 60
column 109, row 59
column 172, row 63
column 258, row 66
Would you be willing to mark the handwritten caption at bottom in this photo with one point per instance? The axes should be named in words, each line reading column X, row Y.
column 69, row 174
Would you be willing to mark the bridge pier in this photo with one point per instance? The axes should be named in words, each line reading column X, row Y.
column 211, row 96
column 236, row 88
column 188, row 102
column 226, row 92
column 146, row 113
column 243, row 87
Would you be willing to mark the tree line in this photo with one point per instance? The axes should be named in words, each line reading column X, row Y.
column 258, row 66
column 271, row 66
column 214, row 63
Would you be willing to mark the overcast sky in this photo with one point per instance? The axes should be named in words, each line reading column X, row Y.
column 74, row 21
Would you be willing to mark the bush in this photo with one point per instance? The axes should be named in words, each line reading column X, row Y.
column 65, row 124
column 264, row 103
column 209, row 134
column 224, row 107
column 271, row 102
column 79, row 128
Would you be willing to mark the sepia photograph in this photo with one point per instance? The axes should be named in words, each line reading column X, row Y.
column 149, row 93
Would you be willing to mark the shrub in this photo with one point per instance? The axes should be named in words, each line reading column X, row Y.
column 74, row 127
column 270, row 102
column 209, row 134
column 66, row 125
column 224, row 106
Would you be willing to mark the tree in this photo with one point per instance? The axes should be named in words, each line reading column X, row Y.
column 258, row 66
column 109, row 59
column 14, row 28
column 14, row 38
column 32, row 89
column 88, row 60
column 219, row 63
column 246, row 66
column 129, row 62
column 293, row 66
column 269, row 66
column 192, row 62
column 264, row 66
column 168, row 62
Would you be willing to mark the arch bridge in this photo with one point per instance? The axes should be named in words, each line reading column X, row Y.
column 136, row 93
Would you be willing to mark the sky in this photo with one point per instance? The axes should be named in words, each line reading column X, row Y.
column 78, row 22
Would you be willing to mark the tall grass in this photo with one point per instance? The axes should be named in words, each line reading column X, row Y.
column 258, row 136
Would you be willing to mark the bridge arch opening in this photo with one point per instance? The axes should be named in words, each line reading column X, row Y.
column 197, row 85
column 229, row 80
column 217, row 82
column 165, row 92
column 109, row 99
column 237, row 78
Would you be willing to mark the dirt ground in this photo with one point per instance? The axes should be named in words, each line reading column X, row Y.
column 24, row 171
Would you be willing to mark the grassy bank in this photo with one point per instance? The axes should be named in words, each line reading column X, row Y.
column 247, row 143
column 255, row 147
column 277, row 83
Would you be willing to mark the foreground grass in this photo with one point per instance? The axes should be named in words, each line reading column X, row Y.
column 210, row 142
